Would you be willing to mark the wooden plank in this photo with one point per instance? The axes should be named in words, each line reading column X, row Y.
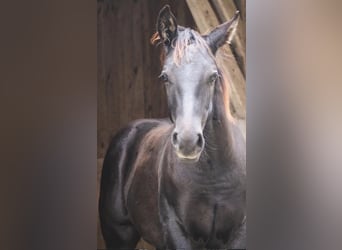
column 241, row 5
column 226, row 10
column 203, row 15
column 206, row 20
column 107, row 103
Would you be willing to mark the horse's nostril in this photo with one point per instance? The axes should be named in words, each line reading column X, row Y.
column 174, row 138
column 200, row 140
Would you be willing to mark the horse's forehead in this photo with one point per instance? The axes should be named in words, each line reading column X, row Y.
column 192, row 57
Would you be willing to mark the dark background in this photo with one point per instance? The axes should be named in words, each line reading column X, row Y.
column 48, row 128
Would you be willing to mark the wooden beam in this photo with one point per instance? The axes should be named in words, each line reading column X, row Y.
column 241, row 5
column 206, row 20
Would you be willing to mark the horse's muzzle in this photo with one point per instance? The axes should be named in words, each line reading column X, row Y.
column 188, row 145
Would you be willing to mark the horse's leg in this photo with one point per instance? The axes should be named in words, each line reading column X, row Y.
column 118, row 236
column 175, row 237
column 239, row 242
column 117, row 230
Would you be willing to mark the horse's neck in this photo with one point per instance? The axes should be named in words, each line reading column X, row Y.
column 218, row 130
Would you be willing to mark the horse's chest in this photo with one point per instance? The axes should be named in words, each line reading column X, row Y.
column 211, row 221
column 209, row 212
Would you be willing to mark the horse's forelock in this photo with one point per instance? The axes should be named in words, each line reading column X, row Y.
column 186, row 37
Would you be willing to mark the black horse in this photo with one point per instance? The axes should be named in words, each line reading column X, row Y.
column 179, row 183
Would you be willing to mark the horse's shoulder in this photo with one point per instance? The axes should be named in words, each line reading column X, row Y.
column 239, row 143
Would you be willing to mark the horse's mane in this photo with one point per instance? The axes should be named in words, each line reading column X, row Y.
column 186, row 37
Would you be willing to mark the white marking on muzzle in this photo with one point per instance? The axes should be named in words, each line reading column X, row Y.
column 188, row 157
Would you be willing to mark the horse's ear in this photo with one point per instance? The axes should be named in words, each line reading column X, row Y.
column 222, row 33
column 166, row 25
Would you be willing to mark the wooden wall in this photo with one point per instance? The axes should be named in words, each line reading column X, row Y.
column 128, row 65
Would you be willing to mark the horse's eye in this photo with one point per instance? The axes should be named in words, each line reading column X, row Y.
column 163, row 77
column 213, row 78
